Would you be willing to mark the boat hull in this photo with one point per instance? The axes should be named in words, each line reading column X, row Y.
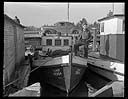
column 107, row 73
column 62, row 74
column 61, row 77
column 109, row 68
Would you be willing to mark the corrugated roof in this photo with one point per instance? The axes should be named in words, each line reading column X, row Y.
column 106, row 18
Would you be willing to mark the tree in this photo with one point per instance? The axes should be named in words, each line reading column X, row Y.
column 97, row 26
column 84, row 21
column 81, row 23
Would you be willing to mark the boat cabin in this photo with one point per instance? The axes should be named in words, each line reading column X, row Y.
column 112, row 33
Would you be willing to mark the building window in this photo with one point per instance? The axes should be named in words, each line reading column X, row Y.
column 102, row 27
column 48, row 32
column 62, row 24
column 57, row 42
column 66, row 42
column 75, row 32
column 49, row 42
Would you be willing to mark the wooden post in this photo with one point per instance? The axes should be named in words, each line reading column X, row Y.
column 94, row 39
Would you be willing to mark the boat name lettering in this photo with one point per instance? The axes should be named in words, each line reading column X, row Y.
column 57, row 72
column 77, row 71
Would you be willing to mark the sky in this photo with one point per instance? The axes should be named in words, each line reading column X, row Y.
column 39, row 13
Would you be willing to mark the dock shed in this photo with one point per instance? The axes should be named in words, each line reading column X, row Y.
column 112, row 36
column 14, row 48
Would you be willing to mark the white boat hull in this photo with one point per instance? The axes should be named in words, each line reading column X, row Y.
column 111, row 70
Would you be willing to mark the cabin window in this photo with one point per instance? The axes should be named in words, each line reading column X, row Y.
column 57, row 42
column 66, row 42
column 102, row 27
column 49, row 42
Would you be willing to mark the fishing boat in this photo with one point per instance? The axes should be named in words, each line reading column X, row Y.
column 61, row 67
column 63, row 72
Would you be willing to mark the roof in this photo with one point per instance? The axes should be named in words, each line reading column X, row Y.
column 65, row 23
column 32, row 28
column 110, row 17
column 31, row 32
column 35, row 36
column 7, row 17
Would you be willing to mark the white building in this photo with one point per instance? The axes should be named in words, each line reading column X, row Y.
column 112, row 31
column 56, row 43
column 60, row 36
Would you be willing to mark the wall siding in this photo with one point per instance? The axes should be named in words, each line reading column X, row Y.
column 11, row 49
column 20, row 44
column 116, row 46
column 113, row 29
column 110, row 27
column 120, row 47
column 113, row 44
column 102, row 45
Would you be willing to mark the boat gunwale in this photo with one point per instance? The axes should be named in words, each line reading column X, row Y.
column 106, row 69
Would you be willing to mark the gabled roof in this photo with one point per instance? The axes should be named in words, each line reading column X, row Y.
column 110, row 17
column 7, row 17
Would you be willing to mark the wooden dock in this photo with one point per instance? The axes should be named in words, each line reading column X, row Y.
column 30, row 91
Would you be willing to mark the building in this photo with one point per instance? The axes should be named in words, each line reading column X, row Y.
column 33, row 37
column 14, row 47
column 55, row 43
column 64, row 28
column 112, row 33
column 59, row 36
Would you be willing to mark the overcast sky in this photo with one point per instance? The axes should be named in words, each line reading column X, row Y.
column 38, row 14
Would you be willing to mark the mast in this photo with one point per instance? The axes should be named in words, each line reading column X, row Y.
column 113, row 8
column 68, row 11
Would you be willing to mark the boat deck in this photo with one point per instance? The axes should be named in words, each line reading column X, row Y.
column 47, row 61
column 98, row 56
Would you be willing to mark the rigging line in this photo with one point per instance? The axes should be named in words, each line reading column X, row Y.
column 20, row 77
